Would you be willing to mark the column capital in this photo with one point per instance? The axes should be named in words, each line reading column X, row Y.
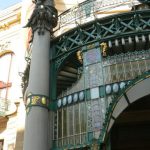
column 44, row 17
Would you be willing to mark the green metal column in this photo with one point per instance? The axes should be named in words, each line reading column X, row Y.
column 42, row 21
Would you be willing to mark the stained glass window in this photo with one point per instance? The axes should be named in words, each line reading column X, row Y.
column 113, row 71
column 120, row 72
column 107, row 74
column 59, row 124
column 64, row 122
column 135, row 69
column 148, row 64
column 142, row 66
column 128, row 71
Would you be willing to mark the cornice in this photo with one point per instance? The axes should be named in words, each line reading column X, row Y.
column 4, row 52
column 12, row 10
column 8, row 24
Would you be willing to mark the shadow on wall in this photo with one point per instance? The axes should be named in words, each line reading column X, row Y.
column 19, row 140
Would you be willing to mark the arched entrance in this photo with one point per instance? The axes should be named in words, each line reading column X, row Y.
column 127, row 123
column 131, row 129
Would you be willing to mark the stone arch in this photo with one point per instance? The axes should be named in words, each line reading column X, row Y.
column 137, row 89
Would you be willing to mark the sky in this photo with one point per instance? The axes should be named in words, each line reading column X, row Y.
column 6, row 3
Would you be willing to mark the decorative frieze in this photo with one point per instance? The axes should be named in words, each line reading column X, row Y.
column 36, row 100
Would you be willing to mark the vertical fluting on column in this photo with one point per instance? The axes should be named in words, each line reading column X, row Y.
column 42, row 21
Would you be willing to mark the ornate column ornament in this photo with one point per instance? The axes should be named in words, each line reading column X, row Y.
column 44, row 17
column 36, row 100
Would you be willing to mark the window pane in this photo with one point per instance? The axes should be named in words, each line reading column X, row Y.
column 135, row 69
column 120, row 71
column 148, row 64
column 128, row 71
column 142, row 66
column 107, row 74
column 113, row 73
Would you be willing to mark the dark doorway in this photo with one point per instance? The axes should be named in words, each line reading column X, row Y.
column 131, row 130
column 1, row 144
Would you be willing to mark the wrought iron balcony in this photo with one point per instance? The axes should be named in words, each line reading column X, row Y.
column 90, row 10
column 6, row 107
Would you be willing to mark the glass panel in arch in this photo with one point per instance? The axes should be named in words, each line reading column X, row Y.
column 64, row 122
column 128, row 70
column 148, row 64
column 120, row 71
column 60, row 123
column 135, row 69
column 76, row 119
column 113, row 71
column 142, row 66
column 107, row 74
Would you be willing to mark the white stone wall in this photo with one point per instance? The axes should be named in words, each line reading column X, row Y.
column 15, row 64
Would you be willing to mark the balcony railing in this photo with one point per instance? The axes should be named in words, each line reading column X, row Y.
column 6, row 107
column 87, row 11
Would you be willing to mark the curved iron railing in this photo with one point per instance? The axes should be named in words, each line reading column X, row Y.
column 102, row 30
column 88, row 10
column 5, row 106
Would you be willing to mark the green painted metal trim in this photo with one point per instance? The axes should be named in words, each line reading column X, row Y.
column 36, row 100
column 102, row 30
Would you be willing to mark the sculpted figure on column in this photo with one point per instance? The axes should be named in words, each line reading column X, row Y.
column 44, row 17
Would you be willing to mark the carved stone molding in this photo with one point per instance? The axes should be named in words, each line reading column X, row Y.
column 44, row 17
